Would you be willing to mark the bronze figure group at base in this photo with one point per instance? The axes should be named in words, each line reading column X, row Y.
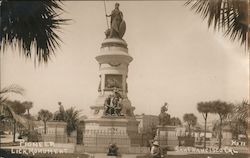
column 164, row 117
column 113, row 104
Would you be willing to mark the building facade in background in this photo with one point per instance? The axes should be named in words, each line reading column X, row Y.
column 146, row 122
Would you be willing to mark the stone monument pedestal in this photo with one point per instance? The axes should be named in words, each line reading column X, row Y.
column 107, row 125
column 108, row 130
column 167, row 136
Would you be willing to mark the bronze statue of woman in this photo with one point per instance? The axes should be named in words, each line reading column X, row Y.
column 118, row 25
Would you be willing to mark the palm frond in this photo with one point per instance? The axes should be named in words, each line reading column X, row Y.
column 31, row 26
column 11, row 113
column 241, row 111
column 10, row 89
column 230, row 16
column 72, row 119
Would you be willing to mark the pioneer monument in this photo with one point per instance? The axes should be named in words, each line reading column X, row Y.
column 112, row 120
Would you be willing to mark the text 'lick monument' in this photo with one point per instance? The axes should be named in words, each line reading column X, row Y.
column 112, row 119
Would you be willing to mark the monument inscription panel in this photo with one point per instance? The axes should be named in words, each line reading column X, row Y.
column 113, row 81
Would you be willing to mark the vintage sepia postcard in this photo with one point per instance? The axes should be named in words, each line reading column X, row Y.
column 129, row 79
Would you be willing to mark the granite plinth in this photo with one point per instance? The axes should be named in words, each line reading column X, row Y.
column 114, row 50
column 167, row 136
column 103, row 131
column 104, row 127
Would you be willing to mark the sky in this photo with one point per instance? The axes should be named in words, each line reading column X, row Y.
column 177, row 59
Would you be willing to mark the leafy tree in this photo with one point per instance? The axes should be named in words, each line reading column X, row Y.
column 31, row 25
column 191, row 120
column 204, row 108
column 18, row 107
column 175, row 121
column 222, row 109
column 230, row 16
column 28, row 105
column 216, row 127
column 45, row 116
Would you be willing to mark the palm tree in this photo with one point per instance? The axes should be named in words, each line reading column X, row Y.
column 223, row 109
column 10, row 89
column 72, row 120
column 31, row 25
column 204, row 108
column 191, row 120
column 230, row 16
column 241, row 115
column 6, row 111
column 45, row 116
column 18, row 106
column 241, row 111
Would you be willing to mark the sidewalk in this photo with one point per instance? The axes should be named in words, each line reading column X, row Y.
column 101, row 155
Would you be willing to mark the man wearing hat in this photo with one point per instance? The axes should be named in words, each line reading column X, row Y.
column 156, row 150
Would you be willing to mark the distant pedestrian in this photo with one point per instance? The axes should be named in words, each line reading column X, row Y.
column 113, row 150
column 156, row 151
column 150, row 144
